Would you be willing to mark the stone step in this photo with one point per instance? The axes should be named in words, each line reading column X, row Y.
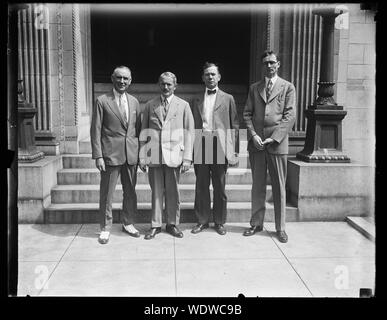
column 364, row 225
column 88, row 213
column 90, row 193
column 92, row 176
column 85, row 146
column 84, row 161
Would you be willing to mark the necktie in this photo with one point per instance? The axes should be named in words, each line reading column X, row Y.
column 164, row 108
column 211, row 91
column 268, row 89
column 122, row 107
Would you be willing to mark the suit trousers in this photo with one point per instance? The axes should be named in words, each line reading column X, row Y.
column 164, row 180
column 277, row 164
column 204, row 173
column 107, row 187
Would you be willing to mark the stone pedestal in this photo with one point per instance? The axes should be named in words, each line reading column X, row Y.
column 330, row 191
column 324, row 135
column 27, row 151
column 35, row 181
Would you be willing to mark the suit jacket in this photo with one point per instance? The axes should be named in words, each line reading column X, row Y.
column 225, row 118
column 112, row 137
column 273, row 118
column 166, row 141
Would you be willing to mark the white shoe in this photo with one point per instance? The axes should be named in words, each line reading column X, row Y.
column 104, row 237
column 131, row 230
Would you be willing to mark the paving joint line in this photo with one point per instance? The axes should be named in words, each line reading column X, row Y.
column 174, row 262
column 60, row 260
column 290, row 263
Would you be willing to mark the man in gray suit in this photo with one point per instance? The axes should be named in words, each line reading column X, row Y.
column 269, row 115
column 167, row 136
column 114, row 131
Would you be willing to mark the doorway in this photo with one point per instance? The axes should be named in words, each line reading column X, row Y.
column 150, row 43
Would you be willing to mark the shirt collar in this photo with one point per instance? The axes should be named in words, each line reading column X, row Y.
column 168, row 99
column 273, row 80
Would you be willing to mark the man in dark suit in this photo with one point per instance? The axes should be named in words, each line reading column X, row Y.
column 216, row 147
column 114, row 131
column 269, row 115
column 166, row 142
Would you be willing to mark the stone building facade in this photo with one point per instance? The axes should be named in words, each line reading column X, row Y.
column 61, row 74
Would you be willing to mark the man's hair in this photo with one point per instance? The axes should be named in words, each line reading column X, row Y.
column 267, row 53
column 169, row 75
column 210, row 64
column 121, row 67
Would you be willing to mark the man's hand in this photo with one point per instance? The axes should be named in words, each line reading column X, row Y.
column 268, row 141
column 100, row 164
column 143, row 167
column 257, row 141
column 185, row 166
column 234, row 162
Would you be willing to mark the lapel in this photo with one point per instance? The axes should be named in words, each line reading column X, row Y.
column 262, row 90
column 156, row 106
column 200, row 106
column 277, row 88
column 219, row 99
column 115, row 109
column 131, row 108
column 172, row 109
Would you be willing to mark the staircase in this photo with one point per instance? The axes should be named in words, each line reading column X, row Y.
column 75, row 198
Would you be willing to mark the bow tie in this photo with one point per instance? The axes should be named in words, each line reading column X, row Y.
column 211, row 91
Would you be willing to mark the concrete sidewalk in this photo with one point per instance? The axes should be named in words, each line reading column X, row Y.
column 321, row 259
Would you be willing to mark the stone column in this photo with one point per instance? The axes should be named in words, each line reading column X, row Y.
column 34, row 70
column 324, row 131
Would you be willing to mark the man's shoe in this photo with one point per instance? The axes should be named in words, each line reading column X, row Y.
column 104, row 237
column 199, row 227
column 173, row 230
column 131, row 230
column 152, row 233
column 282, row 236
column 219, row 228
column 252, row 230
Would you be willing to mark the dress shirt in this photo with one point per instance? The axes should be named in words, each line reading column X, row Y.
column 117, row 97
column 208, row 109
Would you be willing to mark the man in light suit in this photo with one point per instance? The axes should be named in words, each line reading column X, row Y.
column 114, row 131
column 269, row 115
column 216, row 147
column 166, row 143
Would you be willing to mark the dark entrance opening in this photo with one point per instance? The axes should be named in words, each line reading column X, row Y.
column 153, row 42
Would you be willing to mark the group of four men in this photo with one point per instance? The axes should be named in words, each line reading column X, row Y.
column 161, row 140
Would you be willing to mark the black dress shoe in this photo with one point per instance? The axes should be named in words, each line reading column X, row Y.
column 219, row 228
column 252, row 230
column 173, row 230
column 282, row 236
column 152, row 233
column 199, row 227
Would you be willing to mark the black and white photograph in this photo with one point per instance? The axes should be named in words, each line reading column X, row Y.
column 191, row 150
